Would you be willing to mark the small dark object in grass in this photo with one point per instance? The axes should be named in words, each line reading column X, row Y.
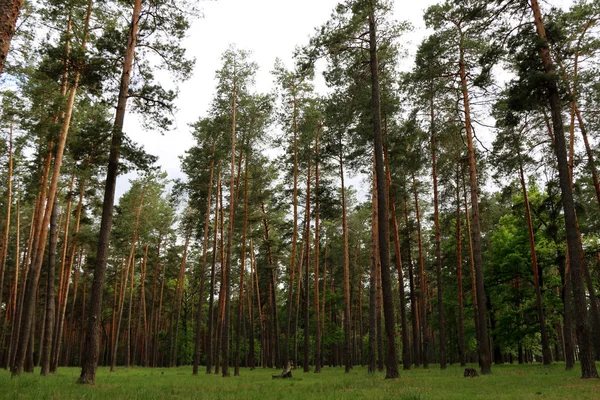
column 538, row 392
column 286, row 373
column 162, row 373
column 471, row 373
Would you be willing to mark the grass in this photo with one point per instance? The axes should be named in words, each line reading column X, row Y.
column 506, row 382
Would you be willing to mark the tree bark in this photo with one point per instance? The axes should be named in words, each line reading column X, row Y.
column 586, row 354
column 485, row 360
column 198, row 340
column 242, row 271
column 92, row 343
column 317, row 249
column 347, row 348
column 546, row 353
column 128, row 267
column 50, row 309
column 459, row 275
column 9, row 13
column 384, row 253
column 422, row 280
column 438, row 246
column 306, row 275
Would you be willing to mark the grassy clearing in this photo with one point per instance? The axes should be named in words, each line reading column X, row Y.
column 507, row 382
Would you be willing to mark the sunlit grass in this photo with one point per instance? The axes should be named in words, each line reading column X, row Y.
column 506, row 382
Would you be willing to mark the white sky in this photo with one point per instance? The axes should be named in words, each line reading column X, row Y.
column 270, row 29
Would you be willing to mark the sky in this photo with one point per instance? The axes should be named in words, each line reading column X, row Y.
column 270, row 29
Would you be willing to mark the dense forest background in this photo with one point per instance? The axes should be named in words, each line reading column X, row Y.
column 472, row 236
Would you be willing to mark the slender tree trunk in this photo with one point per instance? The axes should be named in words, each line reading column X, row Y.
column 198, row 340
column 273, row 285
column 63, row 288
column 586, row 354
column 5, row 237
column 459, row 275
column 568, row 314
column 286, row 348
column 9, row 13
column 153, row 331
column 306, row 276
column 13, row 300
column 211, row 299
column 484, row 348
column 129, row 309
column 347, row 348
column 404, row 325
column 416, row 345
column 317, row 249
column 242, row 270
column 546, row 354
column 438, row 247
column 92, row 343
column 251, row 358
column 49, row 325
column 179, row 294
column 373, row 283
column 227, row 271
column 128, row 267
column 384, row 253
column 422, row 280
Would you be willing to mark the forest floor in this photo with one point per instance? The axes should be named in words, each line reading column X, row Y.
column 506, row 382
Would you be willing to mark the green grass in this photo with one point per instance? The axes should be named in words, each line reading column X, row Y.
column 506, row 382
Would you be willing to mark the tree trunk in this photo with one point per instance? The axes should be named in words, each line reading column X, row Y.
column 422, row 280
column 286, row 348
column 404, row 325
column 384, row 254
column 317, row 233
column 416, row 345
column 211, row 299
column 546, row 354
column 5, row 237
column 92, row 343
column 50, row 310
column 9, row 13
column 484, row 349
column 459, row 275
column 198, row 340
column 242, row 270
column 438, row 247
column 128, row 267
column 586, row 354
column 347, row 355
column 227, row 271
column 179, row 294
column 306, row 276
